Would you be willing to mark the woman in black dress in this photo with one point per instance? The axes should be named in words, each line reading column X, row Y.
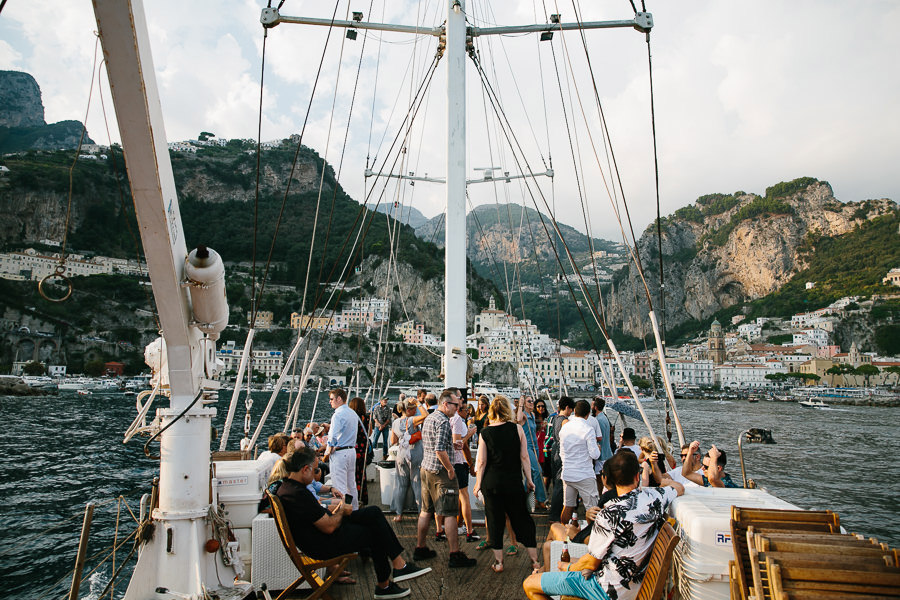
column 502, row 462
column 362, row 447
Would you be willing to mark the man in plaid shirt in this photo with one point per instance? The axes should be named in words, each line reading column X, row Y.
column 440, row 489
column 382, row 417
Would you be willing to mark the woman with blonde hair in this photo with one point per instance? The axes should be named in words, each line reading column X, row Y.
column 502, row 462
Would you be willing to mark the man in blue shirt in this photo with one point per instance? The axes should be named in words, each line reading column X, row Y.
column 605, row 450
column 340, row 450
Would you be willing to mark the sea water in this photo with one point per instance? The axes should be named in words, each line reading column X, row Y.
column 59, row 452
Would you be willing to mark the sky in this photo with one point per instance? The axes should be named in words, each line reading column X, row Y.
column 746, row 94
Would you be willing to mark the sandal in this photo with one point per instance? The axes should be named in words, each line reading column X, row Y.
column 512, row 550
column 397, row 519
column 497, row 566
column 535, row 567
column 482, row 545
column 345, row 580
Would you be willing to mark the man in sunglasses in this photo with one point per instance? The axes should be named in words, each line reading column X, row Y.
column 713, row 473
column 440, row 489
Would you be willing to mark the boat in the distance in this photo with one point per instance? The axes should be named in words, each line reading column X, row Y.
column 813, row 403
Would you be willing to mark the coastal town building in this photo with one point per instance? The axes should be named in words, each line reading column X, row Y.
column 684, row 372
column 34, row 265
column 263, row 319
column 716, row 343
column 267, row 363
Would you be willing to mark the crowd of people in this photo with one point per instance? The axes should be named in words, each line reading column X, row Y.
column 518, row 458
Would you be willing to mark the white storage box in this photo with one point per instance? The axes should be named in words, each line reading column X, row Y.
column 271, row 563
column 238, row 488
column 704, row 525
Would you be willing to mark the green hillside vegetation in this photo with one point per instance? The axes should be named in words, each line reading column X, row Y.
column 103, row 219
column 18, row 139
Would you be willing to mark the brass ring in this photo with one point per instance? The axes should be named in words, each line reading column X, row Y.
column 58, row 273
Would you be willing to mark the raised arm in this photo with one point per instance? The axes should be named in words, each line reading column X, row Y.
column 689, row 469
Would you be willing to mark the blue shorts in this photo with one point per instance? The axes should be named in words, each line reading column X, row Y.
column 572, row 583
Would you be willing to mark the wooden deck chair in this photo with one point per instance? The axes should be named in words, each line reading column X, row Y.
column 756, row 515
column 762, row 586
column 770, row 521
column 787, row 579
column 306, row 565
column 654, row 583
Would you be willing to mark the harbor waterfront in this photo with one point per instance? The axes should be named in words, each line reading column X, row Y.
column 59, row 452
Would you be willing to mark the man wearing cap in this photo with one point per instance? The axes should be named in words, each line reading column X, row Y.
column 381, row 414
column 340, row 450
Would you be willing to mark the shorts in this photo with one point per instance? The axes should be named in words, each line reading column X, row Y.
column 440, row 494
column 462, row 475
column 572, row 583
column 587, row 488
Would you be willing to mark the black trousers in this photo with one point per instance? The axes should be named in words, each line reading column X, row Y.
column 556, row 498
column 508, row 502
column 364, row 528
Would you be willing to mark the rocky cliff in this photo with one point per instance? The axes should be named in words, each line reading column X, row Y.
column 727, row 249
column 22, row 125
column 507, row 236
column 20, row 100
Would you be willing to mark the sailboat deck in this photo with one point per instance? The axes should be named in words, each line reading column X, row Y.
column 473, row 583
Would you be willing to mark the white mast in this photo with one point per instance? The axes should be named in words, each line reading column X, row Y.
column 175, row 558
column 455, row 229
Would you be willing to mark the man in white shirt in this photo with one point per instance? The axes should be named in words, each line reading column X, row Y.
column 687, row 458
column 340, row 451
column 463, row 464
column 578, row 450
column 627, row 440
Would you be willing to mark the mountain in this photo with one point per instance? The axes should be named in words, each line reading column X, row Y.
column 726, row 250
column 408, row 215
column 22, row 125
column 515, row 235
column 219, row 208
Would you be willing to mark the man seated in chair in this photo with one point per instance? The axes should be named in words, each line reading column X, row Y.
column 323, row 534
column 620, row 543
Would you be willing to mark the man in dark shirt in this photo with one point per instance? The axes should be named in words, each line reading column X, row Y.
column 322, row 533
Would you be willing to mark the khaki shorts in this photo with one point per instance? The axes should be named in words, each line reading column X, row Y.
column 586, row 488
column 440, row 494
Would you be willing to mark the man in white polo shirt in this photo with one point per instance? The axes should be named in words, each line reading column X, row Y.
column 578, row 450
column 340, row 451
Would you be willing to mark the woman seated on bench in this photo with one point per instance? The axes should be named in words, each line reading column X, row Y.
column 621, row 539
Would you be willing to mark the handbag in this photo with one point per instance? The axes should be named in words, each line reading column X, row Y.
column 413, row 437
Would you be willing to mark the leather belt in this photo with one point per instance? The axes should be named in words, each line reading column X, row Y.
column 343, row 448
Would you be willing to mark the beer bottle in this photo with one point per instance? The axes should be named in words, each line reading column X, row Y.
column 564, row 557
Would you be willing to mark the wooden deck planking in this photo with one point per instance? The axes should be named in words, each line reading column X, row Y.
column 473, row 583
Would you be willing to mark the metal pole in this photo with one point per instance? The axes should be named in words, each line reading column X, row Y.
column 82, row 550
column 455, row 247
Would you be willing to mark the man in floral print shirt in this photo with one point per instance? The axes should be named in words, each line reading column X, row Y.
column 620, row 543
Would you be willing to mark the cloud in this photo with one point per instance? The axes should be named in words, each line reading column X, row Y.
column 782, row 91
